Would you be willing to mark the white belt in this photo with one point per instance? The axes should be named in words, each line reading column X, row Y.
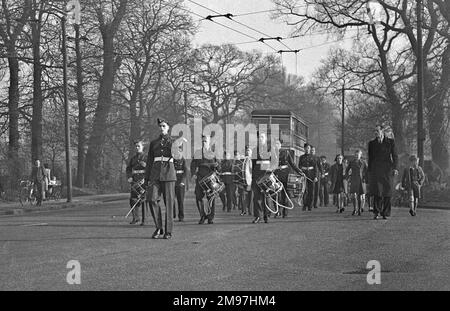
column 263, row 162
column 307, row 168
column 226, row 173
column 180, row 172
column 138, row 172
column 284, row 166
column 162, row 159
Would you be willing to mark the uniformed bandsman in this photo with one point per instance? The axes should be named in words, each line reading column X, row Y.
column 316, row 182
column 261, row 164
column 161, row 178
column 180, row 185
column 324, row 171
column 308, row 164
column 204, row 163
column 136, row 177
column 227, row 176
column 285, row 166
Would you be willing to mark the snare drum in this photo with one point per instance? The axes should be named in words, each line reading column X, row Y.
column 211, row 184
column 269, row 184
column 296, row 184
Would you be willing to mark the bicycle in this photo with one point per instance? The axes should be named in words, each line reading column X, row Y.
column 27, row 192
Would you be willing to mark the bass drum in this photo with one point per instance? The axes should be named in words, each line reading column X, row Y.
column 242, row 173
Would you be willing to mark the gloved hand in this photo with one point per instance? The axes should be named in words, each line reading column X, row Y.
column 130, row 180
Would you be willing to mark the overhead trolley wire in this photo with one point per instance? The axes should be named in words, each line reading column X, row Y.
column 229, row 16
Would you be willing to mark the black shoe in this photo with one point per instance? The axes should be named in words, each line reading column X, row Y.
column 256, row 220
column 210, row 221
column 157, row 234
column 134, row 221
column 384, row 217
column 242, row 213
column 341, row 210
column 414, row 213
column 167, row 236
column 181, row 219
column 411, row 212
column 201, row 221
column 359, row 213
column 309, row 209
column 142, row 223
column 266, row 220
column 315, row 206
column 354, row 213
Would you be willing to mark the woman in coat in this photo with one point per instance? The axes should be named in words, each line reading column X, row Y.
column 357, row 173
column 338, row 187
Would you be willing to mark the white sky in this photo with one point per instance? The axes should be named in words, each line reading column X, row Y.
column 308, row 60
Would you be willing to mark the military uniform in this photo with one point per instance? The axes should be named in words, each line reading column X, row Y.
column 324, row 171
column 226, row 175
column 260, row 166
column 161, row 178
column 285, row 166
column 316, row 183
column 180, row 187
column 308, row 164
column 203, row 164
column 244, row 186
column 136, row 171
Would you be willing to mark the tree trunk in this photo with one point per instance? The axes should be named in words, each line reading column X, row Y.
column 13, row 116
column 36, row 122
column 97, row 138
column 81, row 111
column 436, row 97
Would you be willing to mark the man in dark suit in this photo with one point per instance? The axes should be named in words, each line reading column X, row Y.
column 381, row 167
column 161, row 177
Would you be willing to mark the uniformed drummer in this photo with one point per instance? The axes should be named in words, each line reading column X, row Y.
column 285, row 166
column 261, row 165
column 180, row 186
column 227, row 177
column 308, row 164
column 161, row 178
column 136, row 177
column 244, row 182
column 204, row 163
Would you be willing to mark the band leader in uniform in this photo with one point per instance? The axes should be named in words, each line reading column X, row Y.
column 161, row 178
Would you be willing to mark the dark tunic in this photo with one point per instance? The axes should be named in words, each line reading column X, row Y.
column 160, row 171
column 382, row 161
column 285, row 166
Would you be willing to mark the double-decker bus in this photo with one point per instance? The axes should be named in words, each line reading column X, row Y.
column 293, row 129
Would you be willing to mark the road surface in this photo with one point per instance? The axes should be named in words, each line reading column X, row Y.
column 317, row 250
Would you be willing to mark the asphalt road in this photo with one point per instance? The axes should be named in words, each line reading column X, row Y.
column 317, row 250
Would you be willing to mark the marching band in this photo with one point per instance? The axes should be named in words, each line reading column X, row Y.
column 264, row 178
